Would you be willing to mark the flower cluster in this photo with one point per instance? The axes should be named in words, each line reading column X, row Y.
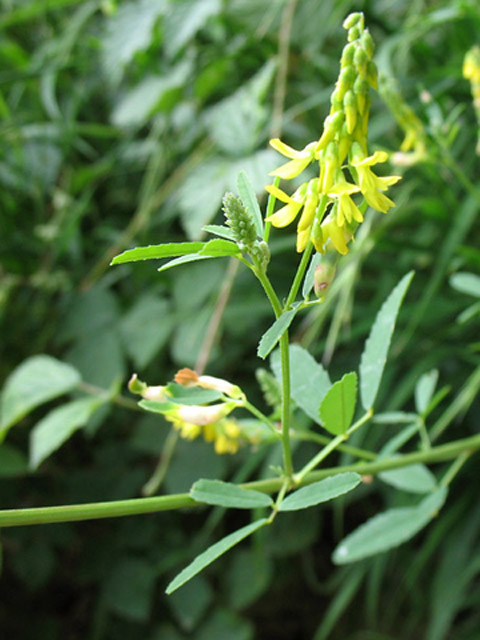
column 329, row 215
column 194, row 420
column 471, row 71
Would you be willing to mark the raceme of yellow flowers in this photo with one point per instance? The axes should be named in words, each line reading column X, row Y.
column 328, row 214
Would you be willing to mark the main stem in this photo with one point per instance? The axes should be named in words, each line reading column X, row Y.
column 135, row 506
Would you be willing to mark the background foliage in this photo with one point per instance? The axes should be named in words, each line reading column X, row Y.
column 124, row 124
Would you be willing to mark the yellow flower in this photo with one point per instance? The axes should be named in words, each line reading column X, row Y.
column 294, row 203
column 225, row 434
column 370, row 184
column 330, row 231
column 299, row 159
column 346, row 208
column 190, row 378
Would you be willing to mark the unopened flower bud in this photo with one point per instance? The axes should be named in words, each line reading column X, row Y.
column 345, row 81
column 354, row 33
column 347, row 55
column 353, row 19
column 324, row 275
column 239, row 220
column 261, row 254
column 372, row 74
column 350, row 106
column 367, row 44
column 360, row 60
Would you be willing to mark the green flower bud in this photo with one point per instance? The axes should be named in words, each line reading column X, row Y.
column 325, row 274
column 239, row 220
column 367, row 44
column 347, row 55
column 331, row 127
column 261, row 254
column 353, row 19
column 350, row 105
column 372, row 75
column 345, row 81
column 360, row 60
column 360, row 89
column 354, row 33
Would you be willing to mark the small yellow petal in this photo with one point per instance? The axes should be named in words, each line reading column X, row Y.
column 284, row 216
column 291, row 169
column 278, row 193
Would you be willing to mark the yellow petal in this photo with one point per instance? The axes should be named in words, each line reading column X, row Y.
column 302, row 239
column 337, row 236
column 378, row 156
column 284, row 149
column 278, row 193
column 343, row 188
column 291, row 169
column 285, row 215
column 379, row 201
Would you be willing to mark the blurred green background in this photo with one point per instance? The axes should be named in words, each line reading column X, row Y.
column 122, row 124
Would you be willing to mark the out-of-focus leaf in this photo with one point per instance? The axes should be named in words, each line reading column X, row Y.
column 58, row 426
column 146, row 328
column 321, row 491
column 226, row 494
column 153, row 93
column 128, row 32
column 225, row 624
column 466, row 283
column 37, row 380
column 309, row 380
column 212, row 553
column 338, row 405
column 191, row 603
column 389, row 529
column 416, row 478
column 129, row 590
column 184, row 19
column 374, row 355
column 248, row 577
column 424, row 390
column 236, row 123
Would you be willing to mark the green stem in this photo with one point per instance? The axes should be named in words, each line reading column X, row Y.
column 285, row 362
column 270, row 206
column 161, row 469
column 455, row 468
column 261, row 416
column 302, row 267
column 136, row 506
column 269, row 290
column 331, row 446
column 308, row 436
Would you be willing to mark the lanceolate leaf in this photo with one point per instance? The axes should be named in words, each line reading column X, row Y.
column 338, row 406
column 249, row 199
column 321, row 491
column 213, row 249
column 309, row 380
column 416, row 478
column 212, row 553
column 35, row 381
column 273, row 335
column 158, row 251
column 225, row 494
column 219, row 230
column 424, row 390
column 389, row 529
column 374, row 355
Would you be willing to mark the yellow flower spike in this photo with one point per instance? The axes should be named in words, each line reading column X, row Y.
column 311, row 202
column 346, row 209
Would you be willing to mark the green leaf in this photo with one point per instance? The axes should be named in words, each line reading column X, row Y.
column 184, row 18
column 389, row 529
column 466, row 283
column 190, row 604
column 309, row 380
column 146, row 328
column 249, row 199
column 212, row 249
column 276, row 331
column 226, row 494
column 375, row 352
column 416, row 478
column 58, row 426
column 219, row 230
column 158, row 251
column 338, row 406
column 191, row 395
column 35, row 381
column 130, row 588
column 321, row 491
column 212, row 553
column 424, row 390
